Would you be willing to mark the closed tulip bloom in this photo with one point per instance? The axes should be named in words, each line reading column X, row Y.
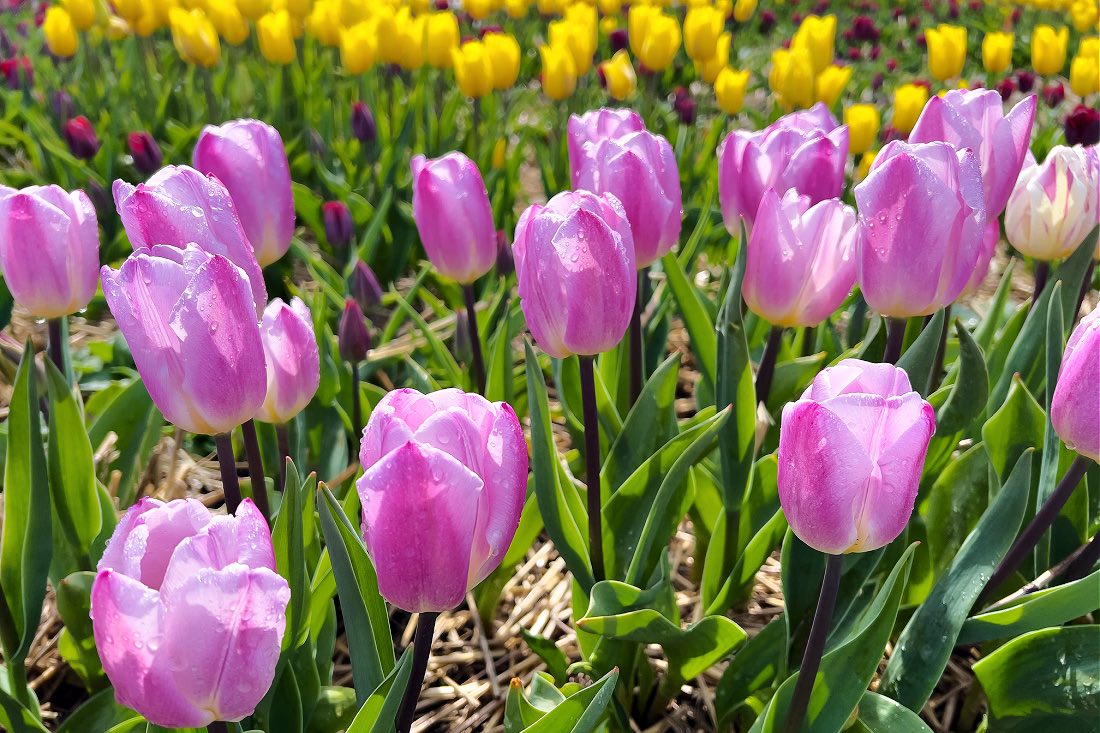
column 1084, row 74
column 577, row 39
column 194, row 36
column 254, row 9
column 473, row 69
column 639, row 169
column 363, row 126
column 1053, row 206
column 792, row 77
column 743, row 10
column 276, row 37
column 909, row 101
column 863, row 123
column 441, row 36
column 445, row 475
column 709, row 70
column 228, row 20
column 851, row 452
column 659, row 42
column 83, row 13
column 60, row 32
column 339, row 227
column 293, row 363
column 1048, row 49
column 923, row 215
column 975, row 119
column 190, row 322
column 179, row 206
column 478, row 9
column 559, row 73
column 831, row 82
column 618, row 76
column 1075, row 407
column 49, row 249
column 145, row 152
column 817, row 35
column 997, row 51
column 504, row 55
column 702, row 27
column 353, row 336
column 80, row 135
column 453, row 215
column 324, row 22
column 946, row 51
column 248, row 157
column 359, row 47
column 188, row 612
column 594, row 126
column 364, row 288
column 729, row 90
column 576, row 273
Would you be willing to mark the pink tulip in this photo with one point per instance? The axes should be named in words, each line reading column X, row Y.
column 801, row 260
column 991, row 235
column 851, row 452
column 249, row 158
column 293, row 363
column 805, row 151
column 179, row 206
column 453, row 216
column 1054, row 205
column 49, row 249
column 444, row 480
column 1075, row 407
column 576, row 274
column 975, row 119
column 640, row 170
column 189, row 320
column 594, row 126
column 923, row 215
column 188, row 612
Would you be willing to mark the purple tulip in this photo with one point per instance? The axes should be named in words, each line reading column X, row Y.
column 801, row 260
column 293, row 363
column 49, row 249
column 639, row 169
column 353, row 337
column 576, row 272
column 363, row 126
column 851, row 452
column 339, row 228
column 592, row 127
column 453, row 216
column 364, row 287
column 804, row 150
column 975, row 119
column 145, row 152
column 188, row 612
column 1075, row 407
column 249, row 158
column 444, row 480
column 991, row 235
column 1082, row 126
column 81, row 137
column 923, row 214
column 179, row 206
column 190, row 321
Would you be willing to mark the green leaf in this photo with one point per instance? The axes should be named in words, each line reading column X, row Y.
column 759, row 662
column 699, row 324
column 77, row 641
column 925, row 645
column 99, row 712
column 647, row 425
column 1014, row 428
column 987, row 329
column 744, row 572
column 16, row 718
column 1048, row 465
column 1046, row 678
column 581, row 712
column 918, row 361
column 1047, row 607
column 441, row 355
column 380, row 709
column 954, row 504
column 289, row 541
column 970, row 390
column 546, row 650
column 882, row 715
column 791, row 378
column 136, row 423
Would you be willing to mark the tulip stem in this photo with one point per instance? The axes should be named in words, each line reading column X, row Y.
column 228, row 464
column 815, row 644
column 1082, row 564
column 56, row 343
column 767, row 364
column 895, row 339
column 637, row 347
column 356, row 409
column 282, row 437
column 475, row 339
column 592, row 462
column 256, row 468
column 218, row 726
column 1042, row 272
column 422, row 647
column 808, row 341
column 1038, row 526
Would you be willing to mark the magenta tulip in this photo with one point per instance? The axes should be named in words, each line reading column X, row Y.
column 576, row 272
column 188, row 612
column 49, row 249
column 640, row 170
column 592, row 127
column 445, row 475
column 975, row 119
column 453, row 216
column 991, row 235
column 293, row 362
column 179, row 206
column 249, row 158
column 923, row 215
column 801, row 261
column 189, row 320
column 851, row 452
column 1075, row 407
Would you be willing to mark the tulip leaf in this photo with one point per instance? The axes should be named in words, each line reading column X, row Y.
column 699, row 324
column 954, row 504
column 288, row 538
column 755, row 666
column 16, row 718
column 879, row 714
column 1046, row 680
column 99, row 712
column 1048, row 465
column 803, row 569
column 791, row 378
column 379, row 711
column 925, row 644
column 136, row 423
column 441, row 356
column 133, row 725
column 971, row 389
column 1071, row 275
column 499, row 385
column 647, row 425
column 1023, row 356
column 987, row 329
column 1015, row 427
column 744, row 572
column 1047, row 607
column 77, row 642
column 581, row 712
column 556, row 662
column 919, row 359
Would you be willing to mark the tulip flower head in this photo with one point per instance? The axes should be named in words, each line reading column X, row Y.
column 729, row 90
column 339, row 227
column 504, row 56
column 1084, row 74
column 353, row 337
column 817, row 35
column 363, row 125
column 293, row 361
column 473, row 69
column 145, row 152
column 444, row 480
column 709, row 70
column 188, row 612
column 359, row 46
column 80, row 135
column 863, row 123
column 654, row 37
column 1048, row 49
column 997, row 51
column 946, row 51
column 1053, row 206
column 60, row 32
column 364, row 287
column 618, row 77
column 792, row 77
column 851, row 452
column 1082, row 126
column 559, row 71
column 703, row 25
column 276, row 37
column 195, row 37
column 591, row 127
column 830, row 84
column 1075, row 406
column 441, row 37
column 909, row 101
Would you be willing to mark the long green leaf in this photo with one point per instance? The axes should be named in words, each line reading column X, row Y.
column 379, row 711
column 1048, row 465
column 699, row 325
column 970, row 390
column 1047, row 607
column 918, row 360
column 880, row 714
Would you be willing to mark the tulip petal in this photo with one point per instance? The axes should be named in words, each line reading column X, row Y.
column 143, row 543
column 293, row 360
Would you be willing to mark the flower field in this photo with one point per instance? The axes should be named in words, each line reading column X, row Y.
column 549, row 366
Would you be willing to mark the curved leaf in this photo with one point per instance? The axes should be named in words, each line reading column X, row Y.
column 1047, row 607
column 970, row 390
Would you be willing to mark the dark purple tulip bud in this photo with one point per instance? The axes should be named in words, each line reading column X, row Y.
column 914, row 23
column 767, row 22
column 877, row 80
column 891, row 64
column 619, row 40
column 1054, row 95
column 822, row 7
column 876, row 51
column 317, row 147
column 864, row 29
column 145, row 152
column 362, row 124
column 364, row 287
column 18, row 72
column 975, row 6
column 854, row 54
column 101, row 200
column 353, row 336
column 1083, row 126
column 922, row 41
column 796, row 17
column 339, row 228
column 898, row 12
column 506, row 263
column 953, row 9
column 1015, row 15
column 1025, row 80
column 684, row 105
column 1007, row 87
column 7, row 48
column 442, row 5
column 62, row 104
column 81, row 137
column 848, row 35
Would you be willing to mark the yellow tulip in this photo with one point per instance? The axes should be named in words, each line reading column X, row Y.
column 577, row 38
column 195, row 37
column 909, row 101
column 1084, row 14
column 324, row 23
column 637, row 20
column 743, row 10
column 117, row 29
column 583, row 14
column 1048, row 49
column 478, row 9
column 60, row 32
column 1084, row 75
column 129, row 10
column 831, row 82
column 1089, row 48
column 659, row 43
column 355, row 11
column 254, row 9
column 298, row 9
column 359, row 47
column 82, row 12
column 702, row 27
column 818, row 36
column 792, row 77
column 863, row 123
column 504, row 56
column 148, row 20
column 864, row 166
column 559, row 73
column 997, row 51
column 441, row 36
column 228, row 21
column 946, row 50
column 610, row 7
column 729, row 90
column 709, row 70
column 473, row 69
column 409, row 41
column 276, row 37
column 550, row 7
column 500, row 150
column 517, row 9
column 618, row 76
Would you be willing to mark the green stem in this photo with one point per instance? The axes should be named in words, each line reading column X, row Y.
column 815, row 644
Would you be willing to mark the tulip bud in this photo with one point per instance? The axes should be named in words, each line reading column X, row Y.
column 1083, row 126
column 441, row 36
column 145, row 152
column 909, row 101
column 1053, row 206
column 997, row 51
column 831, row 82
column 506, row 264
column 743, row 10
column 817, row 35
column 1084, row 73
column 473, row 69
column 617, row 76
column 364, row 287
column 353, row 337
column 339, row 228
column 60, row 32
column 17, row 72
column 173, row 570
column 1025, row 80
column 1054, row 94
column 62, row 104
column 559, row 71
column 1048, row 49
column 851, row 452
column 444, row 480
column 863, row 127
column 767, row 21
column 594, row 126
column 654, row 37
column 702, row 27
column 81, row 137
column 504, row 56
column 729, row 90
column 946, row 51
column 1075, row 406
column 619, row 40
column 293, row 362
column 362, row 124
column 1006, row 88
column 684, row 105
column 276, row 37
